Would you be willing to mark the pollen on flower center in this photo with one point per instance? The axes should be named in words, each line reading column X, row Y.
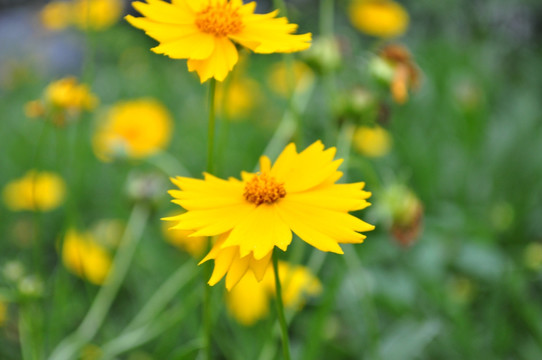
column 220, row 20
column 263, row 189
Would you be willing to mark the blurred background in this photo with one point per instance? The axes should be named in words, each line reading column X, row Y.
column 438, row 110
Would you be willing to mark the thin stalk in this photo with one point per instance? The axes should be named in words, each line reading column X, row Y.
column 280, row 309
column 96, row 315
column 207, row 320
column 211, row 126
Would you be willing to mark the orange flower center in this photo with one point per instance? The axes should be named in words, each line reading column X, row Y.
column 263, row 189
column 220, row 20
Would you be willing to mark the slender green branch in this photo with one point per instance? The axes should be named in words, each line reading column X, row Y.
column 280, row 309
column 207, row 321
column 211, row 126
column 69, row 347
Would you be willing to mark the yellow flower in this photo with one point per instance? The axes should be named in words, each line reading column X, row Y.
column 202, row 31
column 238, row 98
column 3, row 312
column 195, row 246
column 248, row 302
column 279, row 81
column 37, row 191
column 56, row 15
column 84, row 257
column 372, row 141
column 136, row 128
column 96, row 14
column 67, row 93
column 253, row 215
column 382, row 18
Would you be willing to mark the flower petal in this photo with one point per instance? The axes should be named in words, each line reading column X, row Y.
column 259, row 232
column 218, row 64
column 196, row 45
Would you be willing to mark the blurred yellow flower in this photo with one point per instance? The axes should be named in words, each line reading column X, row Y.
column 37, row 191
column 238, row 98
column 374, row 141
column 136, row 129
column 97, row 14
column 3, row 312
column 204, row 32
column 249, row 300
column 67, row 93
column 62, row 100
column 280, row 82
column 56, row 15
column 253, row 215
column 195, row 246
column 381, row 18
column 84, row 257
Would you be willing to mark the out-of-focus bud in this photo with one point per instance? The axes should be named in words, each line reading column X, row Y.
column 401, row 209
column 324, row 54
column 3, row 312
column 468, row 95
column 13, row 271
column 395, row 67
column 462, row 289
column 145, row 187
column 34, row 109
column 532, row 256
column 358, row 104
column 30, row 286
column 108, row 232
column 502, row 216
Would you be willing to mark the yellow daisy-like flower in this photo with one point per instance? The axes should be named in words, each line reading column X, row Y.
column 84, row 257
column 36, row 191
column 136, row 128
column 249, row 301
column 372, row 141
column 253, row 215
column 382, row 18
column 203, row 31
column 279, row 81
column 238, row 98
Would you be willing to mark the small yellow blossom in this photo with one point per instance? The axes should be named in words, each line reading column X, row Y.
column 56, row 15
column 136, row 129
column 249, row 300
column 3, row 312
column 381, row 18
column 280, row 81
column 36, row 191
column 238, row 98
column 254, row 215
column 204, row 32
column 62, row 100
column 372, row 141
column 94, row 14
column 84, row 257
column 67, row 93
column 195, row 246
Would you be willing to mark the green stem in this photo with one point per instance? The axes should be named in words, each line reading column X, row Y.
column 207, row 321
column 280, row 309
column 69, row 347
column 211, row 126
